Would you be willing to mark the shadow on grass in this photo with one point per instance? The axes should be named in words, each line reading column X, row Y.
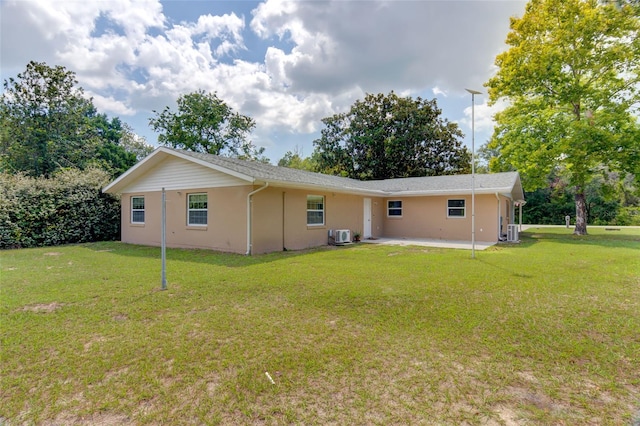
column 626, row 239
column 598, row 237
column 209, row 257
column 505, row 270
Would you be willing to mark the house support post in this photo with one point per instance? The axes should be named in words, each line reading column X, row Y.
column 520, row 203
column 249, row 218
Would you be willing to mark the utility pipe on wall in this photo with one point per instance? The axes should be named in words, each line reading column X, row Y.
column 284, row 205
column 249, row 201
column 499, row 217
column 163, row 241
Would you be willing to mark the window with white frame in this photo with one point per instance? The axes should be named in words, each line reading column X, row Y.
column 315, row 210
column 197, row 209
column 456, row 208
column 394, row 208
column 137, row 209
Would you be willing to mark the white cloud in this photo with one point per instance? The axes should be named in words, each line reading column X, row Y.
column 395, row 45
column 273, row 18
column 103, row 103
column 98, row 56
column 135, row 16
column 311, row 59
column 228, row 28
column 483, row 114
column 438, row 91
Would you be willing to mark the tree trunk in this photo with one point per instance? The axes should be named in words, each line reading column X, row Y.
column 581, row 212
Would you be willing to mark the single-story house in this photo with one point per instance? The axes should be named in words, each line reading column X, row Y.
column 232, row 205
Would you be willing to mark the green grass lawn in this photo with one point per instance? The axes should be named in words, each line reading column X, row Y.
column 542, row 332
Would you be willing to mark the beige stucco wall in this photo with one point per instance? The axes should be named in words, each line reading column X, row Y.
column 225, row 230
column 426, row 217
column 267, row 224
column 280, row 218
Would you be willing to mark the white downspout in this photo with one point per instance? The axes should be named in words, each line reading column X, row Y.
column 249, row 201
column 499, row 214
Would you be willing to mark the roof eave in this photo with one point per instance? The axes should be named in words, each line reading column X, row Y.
column 432, row 193
column 158, row 155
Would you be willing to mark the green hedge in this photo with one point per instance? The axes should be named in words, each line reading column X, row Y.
column 68, row 208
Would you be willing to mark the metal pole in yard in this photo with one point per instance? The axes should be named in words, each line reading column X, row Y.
column 163, row 244
column 473, row 172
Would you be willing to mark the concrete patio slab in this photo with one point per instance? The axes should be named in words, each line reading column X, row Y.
column 465, row 245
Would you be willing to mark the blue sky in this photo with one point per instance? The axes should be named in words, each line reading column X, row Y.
column 286, row 64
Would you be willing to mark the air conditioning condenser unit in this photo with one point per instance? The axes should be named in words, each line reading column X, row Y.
column 512, row 233
column 342, row 236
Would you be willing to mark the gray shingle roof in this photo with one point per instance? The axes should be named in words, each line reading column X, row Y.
column 270, row 173
column 449, row 182
column 429, row 185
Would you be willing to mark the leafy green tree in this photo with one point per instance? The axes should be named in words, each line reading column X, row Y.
column 205, row 123
column 572, row 79
column 551, row 204
column 387, row 136
column 44, row 119
column 111, row 154
column 48, row 124
column 628, row 190
column 295, row 160
column 133, row 143
column 484, row 156
column 5, row 139
column 621, row 3
column 548, row 206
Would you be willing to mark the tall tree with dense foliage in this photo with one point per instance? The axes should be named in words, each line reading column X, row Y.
column 111, row 154
column 205, row 123
column 48, row 124
column 572, row 80
column 44, row 120
column 134, row 143
column 388, row 136
column 295, row 160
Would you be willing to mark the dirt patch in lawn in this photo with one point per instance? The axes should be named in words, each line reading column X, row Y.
column 43, row 307
column 508, row 416
column 102, row 419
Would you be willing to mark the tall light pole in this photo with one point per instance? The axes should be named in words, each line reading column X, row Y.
column 473, row 171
